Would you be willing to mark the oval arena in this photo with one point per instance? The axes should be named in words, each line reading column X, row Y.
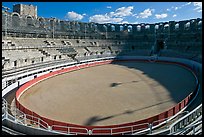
column 110, row 94
column 64, row 77
column 108, row 99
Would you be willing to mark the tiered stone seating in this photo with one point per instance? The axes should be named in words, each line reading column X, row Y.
column 81, row 51
column 67, row 50
column 27, row 51
column 24, row 57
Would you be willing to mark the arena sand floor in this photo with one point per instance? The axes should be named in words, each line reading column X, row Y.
column 110, row 94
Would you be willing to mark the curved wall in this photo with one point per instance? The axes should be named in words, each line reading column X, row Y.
column 20, row 26
column 112, row 129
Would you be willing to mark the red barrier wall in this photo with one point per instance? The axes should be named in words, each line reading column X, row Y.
column 76, row 128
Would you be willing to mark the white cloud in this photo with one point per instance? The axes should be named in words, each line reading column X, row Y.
column 174, row 15
column 176, row 8
column 122, row 12
column 84, row 14
column 146, row 13
column 135, row 22
column 187, row 3
column 198, row 6
column 73, row 16
column 114, row 16
column 134, row 15
column 108, row 7
column 104, row 19
column 161, row 16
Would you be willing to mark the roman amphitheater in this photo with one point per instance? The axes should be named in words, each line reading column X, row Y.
column 78, row 78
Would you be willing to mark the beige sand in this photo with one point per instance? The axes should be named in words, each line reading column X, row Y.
column 110, row 94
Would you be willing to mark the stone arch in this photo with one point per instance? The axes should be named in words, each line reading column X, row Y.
column 51, row 21
column 91, row 24
column 105, row 28
column 15, row 13
column 187, row 25
column 138, row 28
column 200, row 24
column 129, row 28
column 166, row 26
column 29, row 16
column 156, row 27
column 121, row 28
column 29, row 20
column 147, row 27
column 95, row 27
column 177, row 26
column 112, row 27
column 15, row 19
column 192, row 21
column 41, row 21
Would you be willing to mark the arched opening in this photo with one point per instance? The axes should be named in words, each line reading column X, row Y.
column 29, row 21
column 166, row 26
column 41, row 22
column 156, row 27
column 15, row 20
column 95, row 27
column 200, row 24
column 192, row 21
column 138, row 28
column 130, row 28
column 147, row 27
column 121, row 28
column 177, row 26
column 187, row 26
column 105, row 28
column 91, row 25
column 112, row 28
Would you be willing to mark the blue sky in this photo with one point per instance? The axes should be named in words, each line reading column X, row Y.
column 117, row 12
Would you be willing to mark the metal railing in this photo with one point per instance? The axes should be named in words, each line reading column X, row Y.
column 184, row 123
column 186, row 120
column 175, row 128
column 68, row 130
column 192, row 129
column 112, row 131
